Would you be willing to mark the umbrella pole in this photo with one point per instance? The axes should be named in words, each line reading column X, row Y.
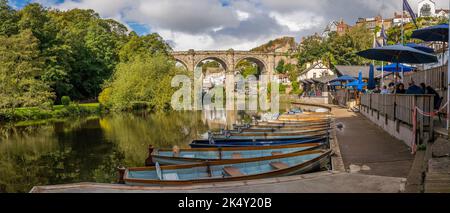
column 382, row 74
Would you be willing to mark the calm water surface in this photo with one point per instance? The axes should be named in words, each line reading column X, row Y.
column 90, row 149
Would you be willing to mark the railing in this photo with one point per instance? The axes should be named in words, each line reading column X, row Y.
column 434, row 77
column 400, row 107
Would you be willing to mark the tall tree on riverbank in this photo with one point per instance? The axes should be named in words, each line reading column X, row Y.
column 8, row 19
column 336, row 49
column 20, row 68
column 144, row 81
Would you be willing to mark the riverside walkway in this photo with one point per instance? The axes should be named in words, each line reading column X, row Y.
column 367, row 149
column 366, row 160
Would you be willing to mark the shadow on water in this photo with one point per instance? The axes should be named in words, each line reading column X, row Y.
column 90, row 149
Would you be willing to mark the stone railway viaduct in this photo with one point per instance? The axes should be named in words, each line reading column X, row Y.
column 230, row 58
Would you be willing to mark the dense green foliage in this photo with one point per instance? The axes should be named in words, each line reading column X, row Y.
column 336, row 49
column 394, row 33
column 47, row 54
column 65, row 100
column 247, row 68
column 20, row 68
column 58, row 111
column 208, row 64
column 143, row 82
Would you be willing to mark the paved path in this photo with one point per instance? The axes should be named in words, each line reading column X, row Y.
column 367, row 149
column 322, row 182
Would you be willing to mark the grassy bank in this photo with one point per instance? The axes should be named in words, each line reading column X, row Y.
column 57, row 111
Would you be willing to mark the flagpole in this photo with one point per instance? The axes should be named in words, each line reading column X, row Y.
column 382, row 62
column 403, row 33
column 448, row 87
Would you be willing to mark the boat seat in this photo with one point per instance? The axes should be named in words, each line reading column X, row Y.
column 276, row 153
column 170, row 176
column 232, row 171
column 279, row 165
column 236, row 156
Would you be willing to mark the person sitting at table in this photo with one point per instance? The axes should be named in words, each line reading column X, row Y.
column 377, row 89
column 413, row 89
column 437, row 98
column 424, row 87
column 400, row 89
column 384, row 90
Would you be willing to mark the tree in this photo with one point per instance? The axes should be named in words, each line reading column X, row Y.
column 310, row 49
column 144, row 79
column 151, row 44
column 20, row 67
column 8, row 19
column 247, row 68
column 280, row 67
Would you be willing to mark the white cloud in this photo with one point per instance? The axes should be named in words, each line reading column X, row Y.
column 242, row 24
column 242, row 16
column 298, row 21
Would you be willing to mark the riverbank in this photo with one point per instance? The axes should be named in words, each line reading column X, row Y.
column 57, row 111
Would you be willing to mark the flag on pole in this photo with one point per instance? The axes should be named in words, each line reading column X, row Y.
column 408, row 8
column 383, row 35
column 376, row 43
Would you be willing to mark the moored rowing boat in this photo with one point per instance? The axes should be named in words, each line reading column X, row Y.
column 233, row 170
column 317, row 138
column 186, row 156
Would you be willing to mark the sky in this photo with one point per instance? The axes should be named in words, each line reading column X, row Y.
column 225, row 24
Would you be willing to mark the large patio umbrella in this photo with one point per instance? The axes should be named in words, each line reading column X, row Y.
column 420, row 47
column 336, row 83
column 359, row 84
column 371, row 83
column 398, row 54
column 344, row 78
column 396, row 68
column 433, row 33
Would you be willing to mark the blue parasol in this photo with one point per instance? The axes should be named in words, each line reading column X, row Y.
column 420, row 47
column 395, row 68
column 398, row 54
column 433, row 33
column 371, row 83
column 336, row 84
column 344, row 78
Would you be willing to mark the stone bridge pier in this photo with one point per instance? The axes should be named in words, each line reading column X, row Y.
column 230, row 58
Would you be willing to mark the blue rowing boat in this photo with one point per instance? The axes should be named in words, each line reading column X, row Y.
column 178, row 156
column 261, row 142
column 233, row 170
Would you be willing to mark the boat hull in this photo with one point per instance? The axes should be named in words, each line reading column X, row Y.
column 247, row 143
column 189, row 156
column 299, row 168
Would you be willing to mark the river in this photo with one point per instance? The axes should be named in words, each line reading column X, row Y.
column 89, row 149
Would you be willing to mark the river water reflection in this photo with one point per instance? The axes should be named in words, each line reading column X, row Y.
column 90, row 149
